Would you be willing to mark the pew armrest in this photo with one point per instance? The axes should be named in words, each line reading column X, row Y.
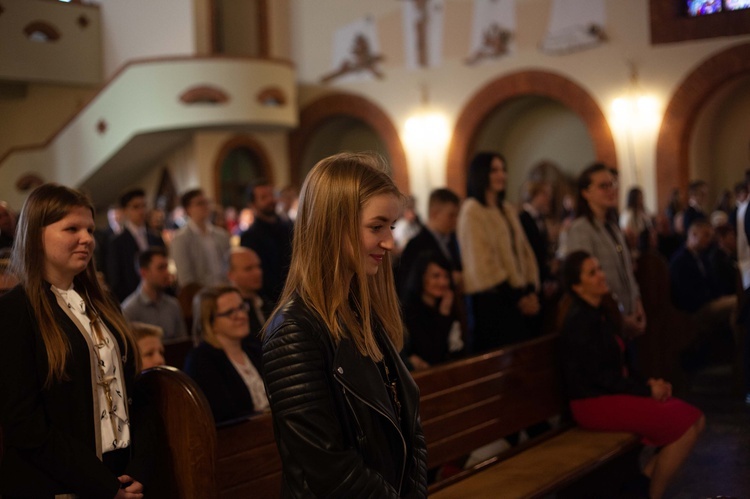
column 187, row 433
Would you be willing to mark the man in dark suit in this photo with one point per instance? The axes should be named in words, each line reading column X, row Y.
column 689, row 270
column 438, row 236
column 694, row 291
column 270, row 237
column 538, row 200
column 697, row 197
column 122, row 274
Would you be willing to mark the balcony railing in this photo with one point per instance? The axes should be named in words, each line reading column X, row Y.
column 146, row 110
column 44, row 41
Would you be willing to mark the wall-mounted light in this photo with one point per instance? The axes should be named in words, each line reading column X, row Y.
column 426, row 129
column 426, row 134
column 635, row 116
column 636, row 112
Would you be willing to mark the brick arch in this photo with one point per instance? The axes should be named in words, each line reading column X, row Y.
column 522, row 84
column 345, row 105
column 673, row 145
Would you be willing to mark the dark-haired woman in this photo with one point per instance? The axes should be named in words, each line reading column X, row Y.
column 500, row 270
column 595, row 230
column 636, row 224
column 67, row 362
column 605, row 393
column 430, row 314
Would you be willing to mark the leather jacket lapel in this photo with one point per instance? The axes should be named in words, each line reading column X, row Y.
column 361, row 376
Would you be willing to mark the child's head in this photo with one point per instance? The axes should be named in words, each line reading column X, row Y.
column 148, row 338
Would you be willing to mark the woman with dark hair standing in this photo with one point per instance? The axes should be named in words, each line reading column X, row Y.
column 595, row 231
column 500, row 269
column 430, row 314
column 67, row 362
column 605, row 393
column 636, row 223
column 345, row 408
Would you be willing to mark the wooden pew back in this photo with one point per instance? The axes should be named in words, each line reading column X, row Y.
column 472, row 402
column 248, row 460
column 186, row 432
column 464, row 405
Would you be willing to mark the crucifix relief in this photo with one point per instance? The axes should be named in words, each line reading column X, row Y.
column 421, row 30
column 423, row 24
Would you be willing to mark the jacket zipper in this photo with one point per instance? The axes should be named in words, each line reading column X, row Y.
column 398, row 430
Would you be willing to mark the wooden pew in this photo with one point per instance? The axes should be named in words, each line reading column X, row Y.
column 668, row 330
column 464, row 405
column 470, row 403
column 248, row 463
column 175, row 352
column 186, row 431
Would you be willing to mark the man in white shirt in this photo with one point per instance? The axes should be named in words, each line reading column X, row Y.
column 743, row 262
column 199, row 247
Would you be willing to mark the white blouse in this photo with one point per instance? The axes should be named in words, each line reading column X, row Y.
column 254, row 383
column 115, row 425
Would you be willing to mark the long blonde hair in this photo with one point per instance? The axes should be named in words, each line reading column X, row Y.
column 326, row 252
column 204, row 312
column 47, row 204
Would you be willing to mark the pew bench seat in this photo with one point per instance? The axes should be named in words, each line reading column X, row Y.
column 474, row 402
column 544, row 468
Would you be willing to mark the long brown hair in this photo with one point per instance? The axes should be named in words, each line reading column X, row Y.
column 326, row 249
column 47, row 204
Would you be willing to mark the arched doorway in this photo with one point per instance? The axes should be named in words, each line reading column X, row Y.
column 531, row 131
column 339, row 134
column 548, row 95
column 342, row 121
column 240, row 161
column 702, row 98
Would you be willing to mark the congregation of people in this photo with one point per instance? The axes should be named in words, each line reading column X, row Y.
column 474, row 275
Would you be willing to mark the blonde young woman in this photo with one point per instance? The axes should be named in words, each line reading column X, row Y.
column 345, row 408
column 227, row 373
column 67, row 362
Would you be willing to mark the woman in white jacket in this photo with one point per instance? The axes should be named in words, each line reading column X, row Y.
column 500, row 271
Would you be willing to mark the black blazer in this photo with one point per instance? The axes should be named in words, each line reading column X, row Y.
column 691, row 287
column 273, row 243
column 592, row 360
column 539, row 242
column 336, row 427
column 691, row 215
column 222, row 385
column 122, row 249
column 49, row 433
column 427, row 331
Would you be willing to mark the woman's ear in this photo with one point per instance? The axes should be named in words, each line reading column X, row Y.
column 585, row 193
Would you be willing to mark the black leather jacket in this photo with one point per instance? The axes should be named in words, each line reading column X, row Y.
column 336, row 429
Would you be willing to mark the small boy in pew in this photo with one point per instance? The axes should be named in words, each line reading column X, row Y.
column 150, row 345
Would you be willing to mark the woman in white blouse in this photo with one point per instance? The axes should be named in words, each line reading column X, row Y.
column 228, row 374
column 67, row 362
column 499, row 268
